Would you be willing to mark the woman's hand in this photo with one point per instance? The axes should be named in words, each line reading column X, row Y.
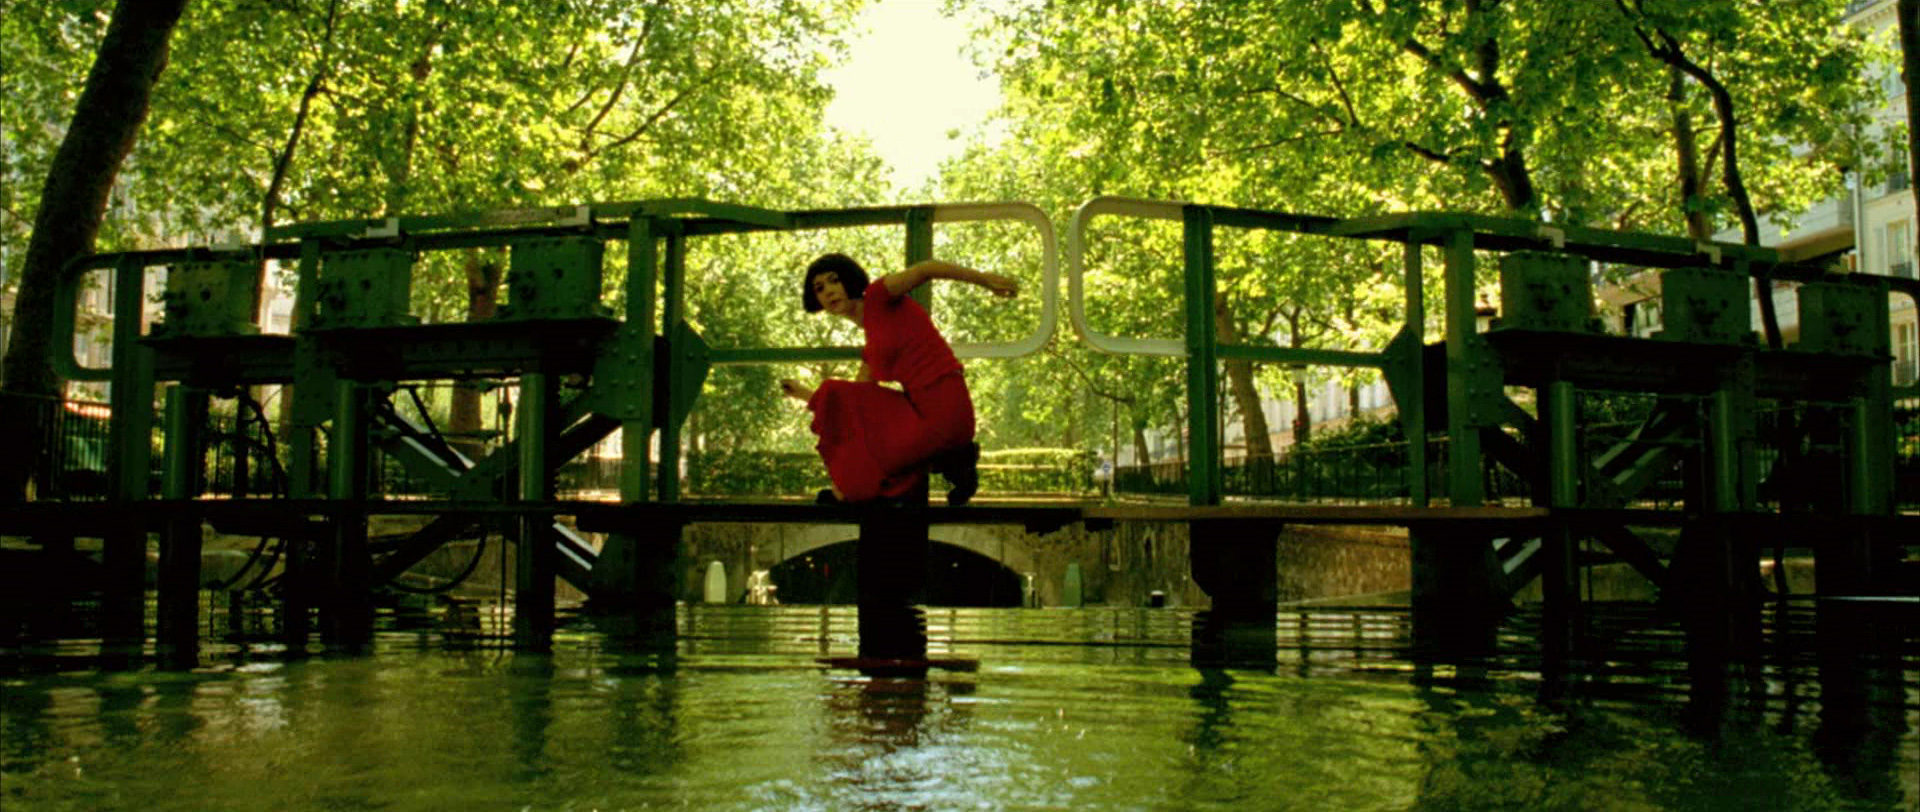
column 1000, row 286
column 795, row 389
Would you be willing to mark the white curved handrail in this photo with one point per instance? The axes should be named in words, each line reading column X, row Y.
column 1076, row 270
column 1049, row 273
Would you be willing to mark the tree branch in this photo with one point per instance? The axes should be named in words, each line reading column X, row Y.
column 620, row 88
column 1473, row 89
column 283, row 161
column 1224, row 153
column 648, row 124
column 1087, row 378
column 1339, row 86
column 1429, row 153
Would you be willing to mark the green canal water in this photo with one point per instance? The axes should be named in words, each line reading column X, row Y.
column 1088, row 709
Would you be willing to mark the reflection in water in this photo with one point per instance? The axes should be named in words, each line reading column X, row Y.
column 1863, row 701
column 875, row 755
column 1085, row 709
column 530, row 702
column 1214, row 719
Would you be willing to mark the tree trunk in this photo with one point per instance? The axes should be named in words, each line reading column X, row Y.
column 1246, row 396
column 1909, row 11
column 1142, row 460
column 1303, row 416
column 73, row 201
column 1514, row 180
column 1686, row 148
column 1668, row 51
column 1186, row 437
column 1742, row 201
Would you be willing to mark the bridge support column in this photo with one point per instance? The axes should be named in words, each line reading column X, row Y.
column 1456, row 610
column 1235, row 563
column 123, row 589
column 296, row 592
column 533, row 593
column 892, row 556
column 1845, row 562
column 1564, row 618
column 129, row 452
column 180, row 544
column 347, row 621
column 636, row 585
column 1720, row 603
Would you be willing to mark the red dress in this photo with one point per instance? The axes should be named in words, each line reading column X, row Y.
column 876, row 441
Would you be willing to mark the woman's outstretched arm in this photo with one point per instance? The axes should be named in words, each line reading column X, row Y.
column 900, row 283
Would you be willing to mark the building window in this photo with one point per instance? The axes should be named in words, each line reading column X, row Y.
column 1906, row 354
column 1899, row 250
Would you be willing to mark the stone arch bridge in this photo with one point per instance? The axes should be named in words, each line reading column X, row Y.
column 1120, row 566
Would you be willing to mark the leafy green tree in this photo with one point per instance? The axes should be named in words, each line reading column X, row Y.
column 106, row 121
column 1346, row 108
column 1797, row 82
column 1909, row 11
column 359, row 109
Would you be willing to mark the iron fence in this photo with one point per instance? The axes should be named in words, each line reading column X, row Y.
column 1371, row 473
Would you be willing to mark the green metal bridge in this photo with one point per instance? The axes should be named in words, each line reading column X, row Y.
column 641, row 370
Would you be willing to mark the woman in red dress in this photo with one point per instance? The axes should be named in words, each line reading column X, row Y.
column 878, row 443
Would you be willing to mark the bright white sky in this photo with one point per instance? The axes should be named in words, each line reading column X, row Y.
column 907, row 84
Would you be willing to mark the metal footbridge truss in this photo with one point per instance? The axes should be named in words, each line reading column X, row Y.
column 588, row 363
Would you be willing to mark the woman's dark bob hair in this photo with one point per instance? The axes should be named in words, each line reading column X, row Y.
column 852, row 277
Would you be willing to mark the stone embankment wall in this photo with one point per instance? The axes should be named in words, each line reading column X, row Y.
column 1122, row 566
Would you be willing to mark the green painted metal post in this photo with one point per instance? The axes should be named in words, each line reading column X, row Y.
column 674, row 294
column 348, row 623
column 180, row 543
column 1717, row 618
column 1413, row 416
column 302, row 455
column 919, row 247
column 1844, row 561
column 1455, row 605
column 640, row 572
column 1861, row 484
column 636, row 337
column 534, row 568
column 1878, row 419
column 1203, row 368
column 124, row 553
column 1559, row 578
column 1723, row 449
column 1464, row 356
column 310, row 385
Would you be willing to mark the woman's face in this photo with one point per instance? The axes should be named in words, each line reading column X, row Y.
column 831, row 294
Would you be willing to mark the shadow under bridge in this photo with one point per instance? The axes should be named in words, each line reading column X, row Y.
column 965, row 565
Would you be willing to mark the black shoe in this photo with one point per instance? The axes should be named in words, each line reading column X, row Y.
column 826, row 497
column 961, row 467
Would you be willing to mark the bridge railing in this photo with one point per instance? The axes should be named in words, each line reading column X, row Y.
column 1205, row 477
column 376, row 261
column 1843, row 326
column 919, row 222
